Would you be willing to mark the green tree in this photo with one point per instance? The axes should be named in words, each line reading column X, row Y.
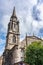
column 34, row 53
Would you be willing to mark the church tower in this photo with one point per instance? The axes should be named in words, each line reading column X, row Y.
column 12, row 40
column 13, row 53
column 13, row 32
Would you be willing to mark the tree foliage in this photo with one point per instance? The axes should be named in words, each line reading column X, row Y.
column 34, row 53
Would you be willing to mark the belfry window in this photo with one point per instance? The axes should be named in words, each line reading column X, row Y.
column 14, row 27
column 14, row 39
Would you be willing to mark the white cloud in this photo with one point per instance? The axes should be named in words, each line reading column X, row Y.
column 5, row 20
column 40, row 8
column 24, row 12
column 2, row 41
column 6, row 6
column 2, row 46
column 26, row 18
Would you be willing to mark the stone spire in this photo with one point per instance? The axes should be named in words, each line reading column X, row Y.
column 14, row 12
column 13, row 15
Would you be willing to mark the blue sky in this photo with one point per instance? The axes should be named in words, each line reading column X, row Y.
column 29, row 13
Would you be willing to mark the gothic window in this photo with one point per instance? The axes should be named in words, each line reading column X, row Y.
column 14, row 27
column 22, row 50
column 21, row 63
column 22, row 54
column 14, row 39
column 22, row 58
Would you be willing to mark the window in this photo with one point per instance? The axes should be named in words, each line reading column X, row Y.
column 14, row 39
column 14, row 27
column 22, row 54
column 21, row 63
column 22, row 50
column 22, row 58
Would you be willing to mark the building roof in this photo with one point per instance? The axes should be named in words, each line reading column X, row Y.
column 28, row 40
column 34, row 37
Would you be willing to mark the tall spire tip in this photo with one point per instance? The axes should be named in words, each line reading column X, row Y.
column 14, row 12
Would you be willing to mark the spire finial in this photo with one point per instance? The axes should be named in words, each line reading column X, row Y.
column 14, row 12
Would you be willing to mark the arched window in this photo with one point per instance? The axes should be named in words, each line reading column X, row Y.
column 14, row 39
column 21, row 63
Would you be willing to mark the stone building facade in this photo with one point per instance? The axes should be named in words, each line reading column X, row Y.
column 1, row 58
column 14, row 49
